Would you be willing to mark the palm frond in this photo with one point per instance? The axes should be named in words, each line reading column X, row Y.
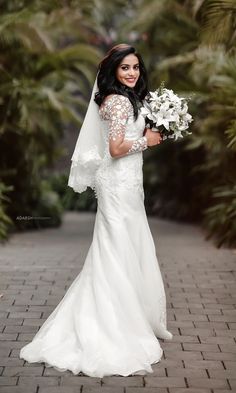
column 25, row 28
column 218, row 22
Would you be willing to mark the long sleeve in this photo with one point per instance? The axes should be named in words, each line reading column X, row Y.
column 118, row 109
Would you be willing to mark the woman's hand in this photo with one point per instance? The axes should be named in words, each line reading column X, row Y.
column 153, row 137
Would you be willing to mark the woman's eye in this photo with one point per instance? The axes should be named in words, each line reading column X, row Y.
column 125, row 68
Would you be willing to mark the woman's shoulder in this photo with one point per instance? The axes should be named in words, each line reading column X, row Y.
column 116, row 98
column 115, row 101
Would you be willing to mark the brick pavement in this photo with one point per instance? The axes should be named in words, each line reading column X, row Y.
column 37, row 267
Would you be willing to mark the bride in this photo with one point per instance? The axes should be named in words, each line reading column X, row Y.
column 110, row 319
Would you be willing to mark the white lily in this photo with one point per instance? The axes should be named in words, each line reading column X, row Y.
column 178, row 134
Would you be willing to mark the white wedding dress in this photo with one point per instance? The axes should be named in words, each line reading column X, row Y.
column 110, row 319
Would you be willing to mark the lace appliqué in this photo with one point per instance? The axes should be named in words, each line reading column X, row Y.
column 116, row 109
column 114, row 175
column 162, row 327
column 163, row 311
column 83, row 170
column 138, row 145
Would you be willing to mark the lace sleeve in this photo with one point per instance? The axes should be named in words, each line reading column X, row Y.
column 118, row 109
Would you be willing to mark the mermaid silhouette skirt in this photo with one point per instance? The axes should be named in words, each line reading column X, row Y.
column 110, row 319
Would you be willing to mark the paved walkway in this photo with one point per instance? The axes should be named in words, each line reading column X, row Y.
column 37, row 267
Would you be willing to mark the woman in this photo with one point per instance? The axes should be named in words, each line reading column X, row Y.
column 110, row 319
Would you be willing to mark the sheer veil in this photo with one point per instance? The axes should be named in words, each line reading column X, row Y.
column 89, row 149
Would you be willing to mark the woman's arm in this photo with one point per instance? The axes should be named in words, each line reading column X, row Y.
column 119, row 108
column 121, row 146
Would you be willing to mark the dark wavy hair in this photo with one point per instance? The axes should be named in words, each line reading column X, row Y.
column 109, row 84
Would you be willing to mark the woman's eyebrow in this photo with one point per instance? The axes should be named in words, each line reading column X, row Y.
column 129, row 64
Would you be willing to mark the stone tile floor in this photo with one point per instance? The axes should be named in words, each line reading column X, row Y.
column 37, row 267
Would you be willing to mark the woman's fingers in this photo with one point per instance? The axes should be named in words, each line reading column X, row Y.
column 153, row 137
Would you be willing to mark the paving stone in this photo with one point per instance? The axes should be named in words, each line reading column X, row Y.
column 226, row 333
column 228, row 348
column 38, row 381
column 4, row 352
column 8, row 336
column 145, row 390
column 17, row 371
column 218, row 340
column 122, row 381
column 102, row 389
column 158, row 370
column 30, row 302
column 171, row 363
column 219, row 355
column 214, row 325
column 165, row 381
column 232, row 383
column 11, row 308
column 25, row 336
column 230, row 365
column 185, row 339
column 198, row 332
column 181, row 324
column 232, row 325
column 12, row 344
column 8, row 361
column 223, row 318
column 204, row 364
column 224, row 374
column 5, row 381
column 18, row 389
column 171, row 346
column 14, row 353
column 33, row 322
column 207, row 383
column 25, row 315
column 201, row 347
column 183, row 355
column 19, row 329
column 191, row 390
column 186, row 372
column 75, row 380
column 215, row 390
column 12, row 321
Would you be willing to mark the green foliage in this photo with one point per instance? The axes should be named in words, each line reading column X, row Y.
column 218, row 22
column 221, row 216
column 47, row 66
column 5, row 221
column 69, row 199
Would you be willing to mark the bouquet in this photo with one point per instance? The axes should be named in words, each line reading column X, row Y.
column 167, row 113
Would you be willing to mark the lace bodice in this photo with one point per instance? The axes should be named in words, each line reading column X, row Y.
column 122, row 172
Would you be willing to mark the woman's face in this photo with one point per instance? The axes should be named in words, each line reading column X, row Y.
column 128, row 71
